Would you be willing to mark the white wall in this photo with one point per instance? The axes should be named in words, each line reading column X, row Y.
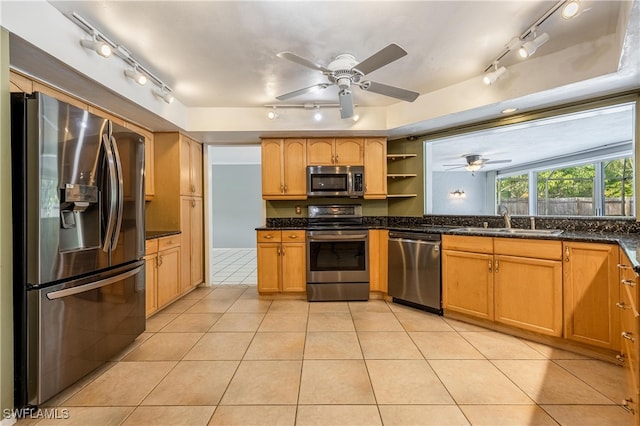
column 477, row 200
column 236, row 195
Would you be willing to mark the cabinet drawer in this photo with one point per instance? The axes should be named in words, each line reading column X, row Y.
column 464, row 243
column 293, row 236
column 165, row 243
column 151, row 246
column 539, row 249
column 269, row 236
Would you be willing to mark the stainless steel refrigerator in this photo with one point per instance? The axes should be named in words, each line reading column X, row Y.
column 78, row 214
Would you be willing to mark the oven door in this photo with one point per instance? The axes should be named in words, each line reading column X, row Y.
column 337, row 256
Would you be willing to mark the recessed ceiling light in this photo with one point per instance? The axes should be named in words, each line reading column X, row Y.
column 509, row 110
column 571, row 9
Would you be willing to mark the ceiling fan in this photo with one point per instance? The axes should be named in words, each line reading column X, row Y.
column 474, row 162
column 345, row 71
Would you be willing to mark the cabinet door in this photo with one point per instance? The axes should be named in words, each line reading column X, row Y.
column 185, row 235
column 320, row 152
column 591, row 291
column 375, row 168
column 195, row 160
column 272, row 164
column 186, row 187
column 349, row 151
column 151, row 277
column 467, row 283
column 168, row 275
column 295, row 168
column 197, row 242
column 268, row 267
column 528, row 293
column 294, row 271
column 149, row 170
column 378, row 259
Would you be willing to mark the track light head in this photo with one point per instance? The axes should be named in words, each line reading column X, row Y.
column 571, row 9
column 136, row 76
column 272, row 115
column 530, row 47
column 493, row 76
column 100, row 47
column 318, row 115
column 164, row 94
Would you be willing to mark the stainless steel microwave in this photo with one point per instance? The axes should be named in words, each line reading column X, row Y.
column 335, row 181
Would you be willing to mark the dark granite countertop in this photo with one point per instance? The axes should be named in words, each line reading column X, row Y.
column 150, row 235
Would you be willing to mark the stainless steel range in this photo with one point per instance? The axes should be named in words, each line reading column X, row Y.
column 337, row 253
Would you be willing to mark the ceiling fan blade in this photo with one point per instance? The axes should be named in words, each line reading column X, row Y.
column 381, row 58
column 302, row 91
column 394, row 92
column 454, row 166
column 346, row 103
column 302, row 61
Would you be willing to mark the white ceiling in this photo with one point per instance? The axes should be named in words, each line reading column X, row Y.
column 223, row 53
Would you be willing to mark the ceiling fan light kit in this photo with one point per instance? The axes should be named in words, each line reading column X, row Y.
column 345, row 71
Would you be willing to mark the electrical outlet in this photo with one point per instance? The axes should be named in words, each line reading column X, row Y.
column 298, row 209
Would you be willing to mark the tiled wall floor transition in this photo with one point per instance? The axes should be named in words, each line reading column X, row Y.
column 234, row 266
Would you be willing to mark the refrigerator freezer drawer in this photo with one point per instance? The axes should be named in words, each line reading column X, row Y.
column 72, row 330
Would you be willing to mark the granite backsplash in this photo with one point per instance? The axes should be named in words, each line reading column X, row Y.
column 569, row 224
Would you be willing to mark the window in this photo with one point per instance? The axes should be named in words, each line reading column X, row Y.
column 513, row 192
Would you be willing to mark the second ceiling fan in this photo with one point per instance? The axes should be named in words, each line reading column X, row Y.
column 345, row 71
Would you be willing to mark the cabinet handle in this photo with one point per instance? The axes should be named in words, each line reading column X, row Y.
column 268, row 237
column 630, row 283
column 286, row 188
column 337, row 161
column 279, row 251
column 497, row 266
column 282, row 188
column 193, row 203
column 625, row 405
column 628, row 335
column 283, row 252
column 490, row 266
column 294, row 236
column 566, row 254
column 623, row 266
column 621, row 305
column 621, row 358
column 159, row 261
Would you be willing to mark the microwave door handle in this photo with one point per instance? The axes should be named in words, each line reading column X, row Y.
column 113, row 193
column 120, row 199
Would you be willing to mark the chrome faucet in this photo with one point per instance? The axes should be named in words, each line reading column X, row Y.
column 504, row 211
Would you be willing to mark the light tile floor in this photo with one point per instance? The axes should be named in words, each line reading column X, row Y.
column 234, row 266
column 224, row 356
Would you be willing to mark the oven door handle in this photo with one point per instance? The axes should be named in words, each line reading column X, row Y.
column 337, row 237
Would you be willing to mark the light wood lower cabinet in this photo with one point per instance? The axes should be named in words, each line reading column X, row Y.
column 378, row 260
column 281, row 261
column 162, row 262
column 510, row 281
column 629, row 343
column 591, row 291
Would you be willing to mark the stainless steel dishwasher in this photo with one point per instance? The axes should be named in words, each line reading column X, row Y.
column 414, row 270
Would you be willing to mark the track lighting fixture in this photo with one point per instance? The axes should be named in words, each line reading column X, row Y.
column 355, row 117
column 318, row 115
column 272, row 115
column 136, row 76
column 98, row 46
column 164, row 94
column 571, row 9
column 493, row 76
column 530, row 47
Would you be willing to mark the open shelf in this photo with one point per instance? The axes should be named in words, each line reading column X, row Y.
column 401, row 195
column 399, row 156
column 401, row 175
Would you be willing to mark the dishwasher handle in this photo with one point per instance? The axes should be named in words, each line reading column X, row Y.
column 408, row 237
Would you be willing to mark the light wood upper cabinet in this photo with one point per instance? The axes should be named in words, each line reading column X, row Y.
column 375, row 168
column 149, row 161
column 284, row 171
column 591, row 291
column 335, row 151
column 190, row 167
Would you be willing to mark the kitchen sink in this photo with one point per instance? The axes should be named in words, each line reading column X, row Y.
column 508, row 231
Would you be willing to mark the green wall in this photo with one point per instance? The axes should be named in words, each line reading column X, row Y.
column 6, row 280
column 411, row 206
column 287, row 208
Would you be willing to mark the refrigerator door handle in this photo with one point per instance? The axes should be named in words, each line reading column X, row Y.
column 83, row 288
column 113, row 202
column 120, row 199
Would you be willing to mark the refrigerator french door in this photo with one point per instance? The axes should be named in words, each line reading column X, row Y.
column 78, row 212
